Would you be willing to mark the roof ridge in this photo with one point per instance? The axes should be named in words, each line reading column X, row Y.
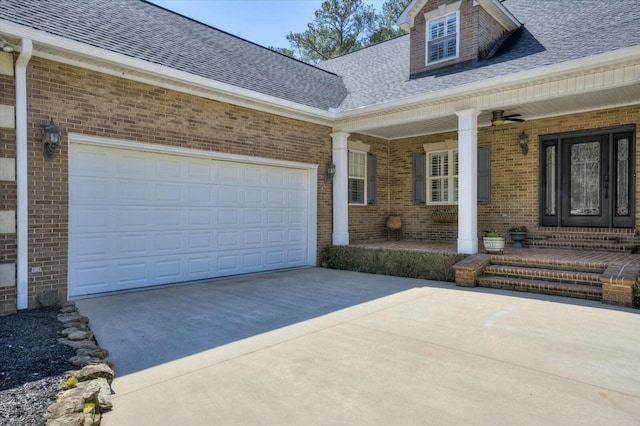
column 149, row 2
column 366, row 47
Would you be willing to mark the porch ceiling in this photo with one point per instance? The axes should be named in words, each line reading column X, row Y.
column 564, row 105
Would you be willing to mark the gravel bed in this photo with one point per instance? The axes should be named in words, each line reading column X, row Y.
column 32, row 365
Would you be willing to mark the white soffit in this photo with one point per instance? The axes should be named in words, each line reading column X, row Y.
column 563, row 105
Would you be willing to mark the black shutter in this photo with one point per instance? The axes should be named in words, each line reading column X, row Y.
column 484, row 175
column 372, row 171
column 419, row 179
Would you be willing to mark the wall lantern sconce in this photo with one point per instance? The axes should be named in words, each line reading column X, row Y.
column 523, row 139
column 51, row 140
column 330, row 173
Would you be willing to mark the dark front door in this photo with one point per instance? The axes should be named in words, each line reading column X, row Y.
column 587, row 179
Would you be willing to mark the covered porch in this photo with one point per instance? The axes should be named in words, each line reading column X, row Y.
column 446, row 166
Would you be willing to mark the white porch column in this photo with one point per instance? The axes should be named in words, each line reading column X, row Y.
column 340, row 235
column 468, row 181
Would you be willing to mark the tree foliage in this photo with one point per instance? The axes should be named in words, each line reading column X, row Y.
column 387, row 28
column 343, row 26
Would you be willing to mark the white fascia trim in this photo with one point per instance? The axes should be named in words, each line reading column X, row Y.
column 408, row 15
column 501, row 14
column 160, row 71
column 523, row 79
column 186, row 152
column 22, row 177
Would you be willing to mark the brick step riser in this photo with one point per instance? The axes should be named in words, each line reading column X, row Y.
column 556, row 276
column 610, row 248
column 589, row 237
column 549, row 265
column 576, row 294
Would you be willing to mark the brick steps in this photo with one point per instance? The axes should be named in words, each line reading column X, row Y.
column 622, row 241
column 580, row 291
column 552, row 263
column 557, row 277
column 554, row 275
column 609, row 245
column 594, row 275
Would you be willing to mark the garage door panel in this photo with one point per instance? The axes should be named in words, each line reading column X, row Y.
column 132, row 165
column 228, row 240
column 91, row 247
column 91, row 162
column 200, row 194
column 88, row 219
column 168, row 169
column 162, row 218
column 169, row 193
column 198, row 240
column 132, row 245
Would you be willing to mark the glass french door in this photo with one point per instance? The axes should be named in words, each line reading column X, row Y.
column 587, row 180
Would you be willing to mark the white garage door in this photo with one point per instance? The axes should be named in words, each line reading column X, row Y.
column 140, row 219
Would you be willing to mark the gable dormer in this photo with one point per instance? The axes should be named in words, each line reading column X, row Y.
column 449, row 32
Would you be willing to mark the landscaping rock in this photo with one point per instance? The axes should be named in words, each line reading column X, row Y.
column 104, row 396
column 69, row 405
column 69, row 330
column 83, row 361
column 67, row 309
column 97, row 353
column 75, row 419
column 87, row 391
column 70, row 319
column 79, row 335
column 77, row 344
column 47, row 298
column 95, row 371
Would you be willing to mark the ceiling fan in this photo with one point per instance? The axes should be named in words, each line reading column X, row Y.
column 499, row 117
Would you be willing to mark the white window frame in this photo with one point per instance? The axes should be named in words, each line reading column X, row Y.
column 429, row 40
column 357, row 148
column 451, row 177
column 362, row 178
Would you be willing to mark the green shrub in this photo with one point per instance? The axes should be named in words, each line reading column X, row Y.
column 635, row 291
column 398, row 263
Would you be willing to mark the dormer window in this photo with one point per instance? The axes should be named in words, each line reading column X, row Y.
column 442, row 38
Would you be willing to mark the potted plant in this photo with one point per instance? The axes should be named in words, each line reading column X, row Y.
column 518, row 235
column 493, row 241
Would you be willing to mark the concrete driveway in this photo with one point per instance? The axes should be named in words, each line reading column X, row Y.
column 318, row 346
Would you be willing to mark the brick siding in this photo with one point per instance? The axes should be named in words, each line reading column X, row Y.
column 91, row 103
column 468, row 37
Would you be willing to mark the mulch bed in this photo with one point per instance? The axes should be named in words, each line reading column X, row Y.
column 32, row 365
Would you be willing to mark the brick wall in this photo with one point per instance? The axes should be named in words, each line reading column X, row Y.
column 478, row 34
column 468, row 49
column 514, row 178
column 91, row 103
column 488, row 31
column 367, row 223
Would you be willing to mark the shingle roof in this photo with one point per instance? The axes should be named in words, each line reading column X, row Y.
column 554, row 32
column 143, row 30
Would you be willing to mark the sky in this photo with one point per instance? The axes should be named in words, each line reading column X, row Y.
column 265, row 22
